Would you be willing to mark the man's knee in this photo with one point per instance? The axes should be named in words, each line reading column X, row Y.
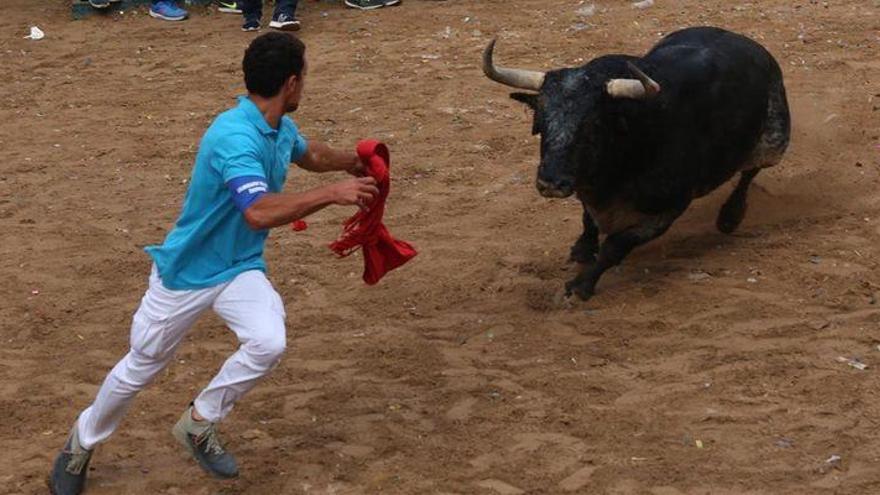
column 136, row 370
column 267, row 350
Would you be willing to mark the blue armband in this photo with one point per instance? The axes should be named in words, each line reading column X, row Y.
column 247, row 189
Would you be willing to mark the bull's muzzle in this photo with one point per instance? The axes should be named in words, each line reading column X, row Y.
column 554, row 189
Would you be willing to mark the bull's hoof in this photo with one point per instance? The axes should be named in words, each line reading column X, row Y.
column 726, row 227
column 730, row 216
column 581, row 289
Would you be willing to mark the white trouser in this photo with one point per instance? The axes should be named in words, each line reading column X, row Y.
column 250, row 307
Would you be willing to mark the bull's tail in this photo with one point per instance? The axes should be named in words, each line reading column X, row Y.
column 777, row 131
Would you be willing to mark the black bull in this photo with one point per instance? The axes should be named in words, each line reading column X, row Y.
column 637, row 139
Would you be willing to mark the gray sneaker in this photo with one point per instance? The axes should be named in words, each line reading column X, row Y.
column 71, row 467
column 201, row 440
column 284, row 22
column 365, row 4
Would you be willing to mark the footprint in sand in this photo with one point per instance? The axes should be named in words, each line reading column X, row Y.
column 500, row 487
column 578, row 479
column 349, row 449
column 461, row 411
column 530, row 442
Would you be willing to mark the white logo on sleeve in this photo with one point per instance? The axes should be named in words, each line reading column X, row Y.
column 253, row 187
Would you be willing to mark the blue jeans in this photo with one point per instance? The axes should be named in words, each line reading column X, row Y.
column 253, row 9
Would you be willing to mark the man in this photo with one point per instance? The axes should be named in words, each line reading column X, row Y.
column 213, row 258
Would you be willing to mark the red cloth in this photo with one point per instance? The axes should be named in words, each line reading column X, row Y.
column 382, row 253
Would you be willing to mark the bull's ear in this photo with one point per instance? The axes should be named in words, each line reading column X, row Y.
column 529, row 99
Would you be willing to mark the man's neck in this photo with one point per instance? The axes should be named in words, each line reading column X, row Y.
column 271, row 108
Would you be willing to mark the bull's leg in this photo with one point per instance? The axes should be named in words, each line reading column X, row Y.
column 616, row 247
column 586, row 247
column 734, row 209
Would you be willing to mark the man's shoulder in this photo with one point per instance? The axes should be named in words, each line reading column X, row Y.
column 289, row 126
column 234, row 119
column 231, row 128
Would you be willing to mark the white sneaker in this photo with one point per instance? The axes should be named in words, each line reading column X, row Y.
column 284, row 22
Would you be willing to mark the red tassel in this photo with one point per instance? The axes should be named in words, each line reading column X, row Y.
column 382, row 252
column 299, row 225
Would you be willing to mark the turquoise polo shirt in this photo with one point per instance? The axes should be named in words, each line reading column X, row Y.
column 211, row 242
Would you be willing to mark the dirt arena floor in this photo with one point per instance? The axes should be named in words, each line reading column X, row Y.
column 706, row 364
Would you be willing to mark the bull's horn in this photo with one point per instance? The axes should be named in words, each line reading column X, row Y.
column 625, row 88
column 517, row 78
column 643, row 87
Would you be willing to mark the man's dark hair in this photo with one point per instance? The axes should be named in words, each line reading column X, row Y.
column 269, row 62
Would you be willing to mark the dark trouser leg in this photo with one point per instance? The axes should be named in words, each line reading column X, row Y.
column 252, row 9
column 586, row 247
column 286, row 6
column 734, row 208
column 616, row 247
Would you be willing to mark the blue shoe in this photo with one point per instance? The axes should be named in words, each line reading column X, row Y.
column 71, row 467
column 201, row 440
column 251, row 25
column 167, row 10
column 251, row 22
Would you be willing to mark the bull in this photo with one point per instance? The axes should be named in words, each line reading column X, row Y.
column 636, row 139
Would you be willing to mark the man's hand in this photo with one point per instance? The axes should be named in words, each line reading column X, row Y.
column 360, row 192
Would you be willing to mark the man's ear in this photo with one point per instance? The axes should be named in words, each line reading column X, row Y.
column 529, row 99
column 292, row 81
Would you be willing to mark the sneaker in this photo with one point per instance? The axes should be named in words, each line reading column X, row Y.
column 284, row 22
column 71, row 467
column 391, row 3
column 228, row 6
column 365, row 4
column 167, row 10
column 201, row 440
column 251, row 25
column 99, row 4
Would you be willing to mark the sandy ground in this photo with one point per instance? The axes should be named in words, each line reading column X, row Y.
column 463, row 372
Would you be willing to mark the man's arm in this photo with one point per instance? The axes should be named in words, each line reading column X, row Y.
column 320, row 157
column 276, row 209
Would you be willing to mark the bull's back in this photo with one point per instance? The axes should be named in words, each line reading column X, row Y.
column 725, row 51
column 714, row 102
